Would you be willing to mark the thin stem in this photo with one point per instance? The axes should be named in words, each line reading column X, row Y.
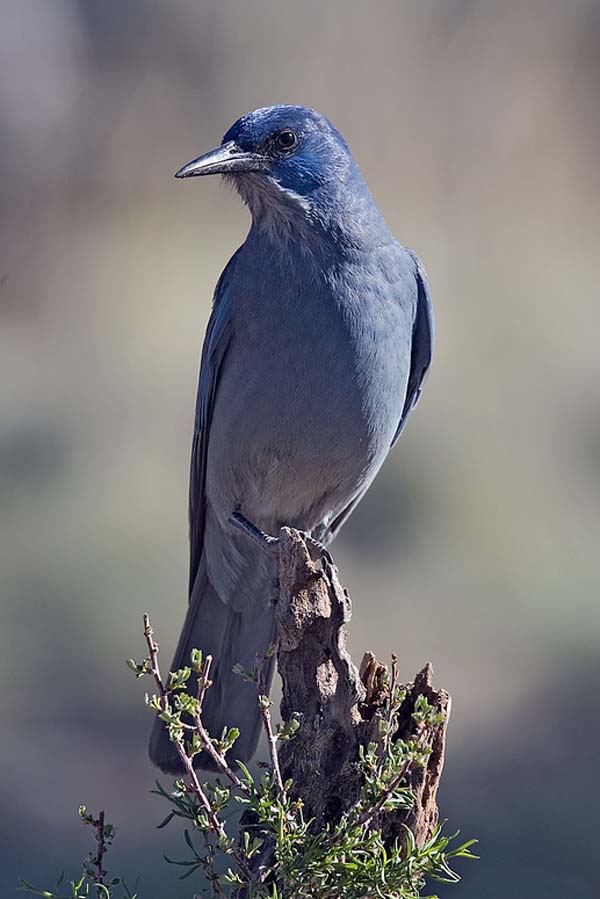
column 204, row 683
column 217, row 757
column 187, row 762
column 216, row 825
column 390, row 712
column 264, row 703
column 368, row 815
column 98, row 825
column 153, row 651
column 210, row 869
column 265, row 711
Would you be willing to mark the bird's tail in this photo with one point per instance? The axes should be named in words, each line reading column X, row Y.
column 231, row 637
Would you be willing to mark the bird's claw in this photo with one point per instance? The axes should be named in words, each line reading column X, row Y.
column 271, row 544
column 316, row 545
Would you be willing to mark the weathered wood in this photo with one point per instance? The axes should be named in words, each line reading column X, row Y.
column 335, row 702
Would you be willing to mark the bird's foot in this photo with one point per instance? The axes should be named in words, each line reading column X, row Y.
column 317, row 546
column 265, row 541
column 271, row 544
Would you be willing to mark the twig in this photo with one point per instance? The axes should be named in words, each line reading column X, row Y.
column 197, row 788
column 98, row 825
column 155, row 672
column 210, row 869
column 153, row 651
column 390, row 712
column 265, row 710
column 217, row 757
column 368, row 815
column 205, row 683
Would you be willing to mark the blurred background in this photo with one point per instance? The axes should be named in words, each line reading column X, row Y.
column 477, row 126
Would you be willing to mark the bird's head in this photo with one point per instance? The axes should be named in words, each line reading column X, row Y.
column 282, row 159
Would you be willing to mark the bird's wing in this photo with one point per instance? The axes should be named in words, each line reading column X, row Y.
column 421, row 345
column 216, row 341
column 420, row 359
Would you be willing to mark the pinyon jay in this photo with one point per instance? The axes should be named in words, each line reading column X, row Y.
column 315, row 354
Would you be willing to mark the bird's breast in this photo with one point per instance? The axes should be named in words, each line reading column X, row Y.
column 308, row 400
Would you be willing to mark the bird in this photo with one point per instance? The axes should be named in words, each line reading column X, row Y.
column 315, row 354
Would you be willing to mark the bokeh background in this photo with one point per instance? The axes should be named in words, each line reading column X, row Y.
column 477, row 126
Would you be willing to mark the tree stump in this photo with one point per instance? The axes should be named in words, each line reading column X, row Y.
column 335, row 702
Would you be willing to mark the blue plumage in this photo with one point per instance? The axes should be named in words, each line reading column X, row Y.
column 315, row 354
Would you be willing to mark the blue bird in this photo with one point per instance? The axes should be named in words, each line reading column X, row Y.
column 315, row 354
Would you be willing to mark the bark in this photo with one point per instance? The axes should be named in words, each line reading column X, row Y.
column 335, row 702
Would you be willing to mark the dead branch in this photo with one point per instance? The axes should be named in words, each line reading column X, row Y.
column 336, row 703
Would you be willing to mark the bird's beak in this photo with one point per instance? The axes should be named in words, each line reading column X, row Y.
column 228, row 159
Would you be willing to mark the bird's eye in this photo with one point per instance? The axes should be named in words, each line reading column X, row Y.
column 286, row 139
